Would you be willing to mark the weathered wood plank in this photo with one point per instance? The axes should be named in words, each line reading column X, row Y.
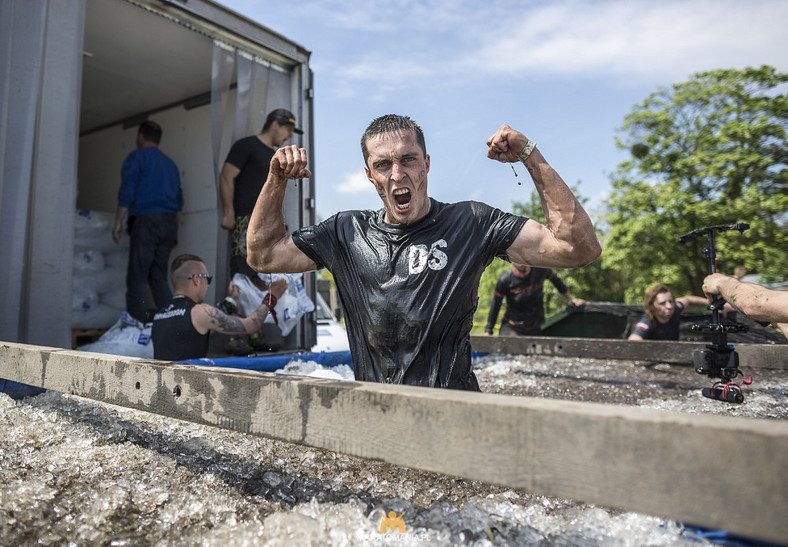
column 750, row 355
column 720, row 472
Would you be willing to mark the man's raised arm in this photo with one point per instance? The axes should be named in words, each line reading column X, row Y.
column 269, row 247
column 568, row 239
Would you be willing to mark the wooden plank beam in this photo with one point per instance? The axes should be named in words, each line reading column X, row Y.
column 716, row 471
column 750, row 355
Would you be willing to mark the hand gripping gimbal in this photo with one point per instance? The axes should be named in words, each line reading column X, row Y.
column 718, row 359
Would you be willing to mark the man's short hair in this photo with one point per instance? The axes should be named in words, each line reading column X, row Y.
column 388, row 124
column 150, row 131
column 180, row 260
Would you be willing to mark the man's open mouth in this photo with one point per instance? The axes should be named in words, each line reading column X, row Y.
column 402, row 198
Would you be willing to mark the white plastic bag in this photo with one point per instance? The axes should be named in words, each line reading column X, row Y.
column 117, row 259
column 102, row 243
column 99, row 316
column 88, row 261
column 92, row 223
column 84, row 298
column 289, row 307
column 114, row 298
column 126, row 337
column 100, row 281
column 98, row 287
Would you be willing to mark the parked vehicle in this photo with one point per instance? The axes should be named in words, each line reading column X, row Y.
column 331, row 334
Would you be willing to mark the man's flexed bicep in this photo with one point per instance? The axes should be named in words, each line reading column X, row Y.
column 538, row 246
column 567, row 240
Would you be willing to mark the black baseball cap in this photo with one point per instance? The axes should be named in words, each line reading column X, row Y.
column 283, row 117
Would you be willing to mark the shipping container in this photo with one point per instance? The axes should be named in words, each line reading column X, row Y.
column 79, row 76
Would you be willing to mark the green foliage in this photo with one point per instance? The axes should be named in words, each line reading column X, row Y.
column 486, row 288
column 705, row 152
column 593, row 282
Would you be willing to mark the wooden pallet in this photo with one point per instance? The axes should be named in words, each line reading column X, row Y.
column 80, row 337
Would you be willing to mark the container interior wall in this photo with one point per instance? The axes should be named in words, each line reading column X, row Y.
column 186, row 140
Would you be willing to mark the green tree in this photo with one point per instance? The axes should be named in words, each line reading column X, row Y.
column 708, row 151
column 593, row 282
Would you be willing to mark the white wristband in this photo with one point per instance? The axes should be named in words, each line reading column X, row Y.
column 527, row 149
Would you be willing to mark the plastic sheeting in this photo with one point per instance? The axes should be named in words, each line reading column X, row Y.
column 271, row 363
column 267, row 363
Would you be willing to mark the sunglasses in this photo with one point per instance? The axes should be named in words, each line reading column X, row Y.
column 206, row 276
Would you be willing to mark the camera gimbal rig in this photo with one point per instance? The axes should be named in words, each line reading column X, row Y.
column 718, row 359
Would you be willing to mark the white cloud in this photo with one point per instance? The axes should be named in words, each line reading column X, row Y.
column 354, row 183
column 391, row 44
column 384, row 73
column 640, row 39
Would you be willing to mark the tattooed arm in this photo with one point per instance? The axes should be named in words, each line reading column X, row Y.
column 209, row 318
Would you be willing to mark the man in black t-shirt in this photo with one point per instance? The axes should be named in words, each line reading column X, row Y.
column 523, row 287
column 408, row 274
column 180, row 331
column 243, row 174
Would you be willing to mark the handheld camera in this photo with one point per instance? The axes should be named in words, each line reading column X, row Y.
column 718, row 359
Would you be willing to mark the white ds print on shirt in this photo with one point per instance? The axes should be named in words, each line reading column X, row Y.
column 420, row 257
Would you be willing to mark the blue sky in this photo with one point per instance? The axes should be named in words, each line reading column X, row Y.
column 563, row 72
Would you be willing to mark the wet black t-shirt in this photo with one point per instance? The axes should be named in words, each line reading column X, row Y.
column 173, row 334
column 409, row 292
column 253, row 158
